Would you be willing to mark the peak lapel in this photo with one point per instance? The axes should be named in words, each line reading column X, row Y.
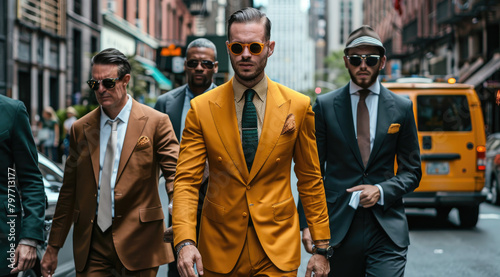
column 277, row 109
column 343, row 111
column 384, row 120
column 92, row 130
column 136, row 123
column 224, row 115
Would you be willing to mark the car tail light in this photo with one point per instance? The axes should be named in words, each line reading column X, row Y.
column 481, row 158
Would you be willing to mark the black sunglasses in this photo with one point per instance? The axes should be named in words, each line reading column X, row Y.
column 107, row 83
column 370, row 60
column 205, row 64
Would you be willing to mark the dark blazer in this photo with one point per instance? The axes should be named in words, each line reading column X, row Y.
column 172, row 104
column 149, row 146
column 342, row 166
column 18, row 159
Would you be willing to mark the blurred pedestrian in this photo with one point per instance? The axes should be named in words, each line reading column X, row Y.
column 110, row 188
column 361, row 129
column 21, row 190
column 48, row 134
column 200, row 66
column 71, row 115
column 249, row 130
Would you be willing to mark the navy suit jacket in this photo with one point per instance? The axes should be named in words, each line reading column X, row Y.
column 172, row 104
column 342, row 166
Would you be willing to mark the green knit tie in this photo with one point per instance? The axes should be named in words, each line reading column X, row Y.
column 250, row 135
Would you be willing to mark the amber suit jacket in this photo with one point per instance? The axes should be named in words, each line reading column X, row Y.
column 138, row 222
column 264, row 193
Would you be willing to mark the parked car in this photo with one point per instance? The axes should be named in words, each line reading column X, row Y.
column 492, row 173
column 452, row 141
column 52, row 180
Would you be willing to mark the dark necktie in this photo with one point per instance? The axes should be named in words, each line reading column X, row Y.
column 250, row 135
column 363, row 126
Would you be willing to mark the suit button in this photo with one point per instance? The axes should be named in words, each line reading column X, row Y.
column 244, row 214
column 91, row 221
column 278, row 160
column 95, row 195
column 365, row 174
column 248, row 187
column 219, row 159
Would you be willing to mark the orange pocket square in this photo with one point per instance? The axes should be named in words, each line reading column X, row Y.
column 142, row 142
column 394, row 128
column 289, row 126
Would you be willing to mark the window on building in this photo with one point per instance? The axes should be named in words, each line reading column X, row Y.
column 125, row 9
column 94, row 44
column 77, row 6
column 95, row 11
column 77, row 60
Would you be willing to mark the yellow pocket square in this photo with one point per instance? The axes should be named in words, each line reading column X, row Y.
column 142, row 142
column 394, row 128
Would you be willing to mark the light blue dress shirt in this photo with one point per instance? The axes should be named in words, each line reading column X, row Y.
column 105, row 133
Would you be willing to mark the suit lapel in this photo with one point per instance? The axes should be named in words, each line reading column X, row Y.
column 91, row 131
column 277, row 109
column 224, row 114
column 343, row 112
column 174, row 109
column 136, row 123
column 384, row 120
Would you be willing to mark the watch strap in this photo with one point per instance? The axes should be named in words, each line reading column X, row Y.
column 182, row 245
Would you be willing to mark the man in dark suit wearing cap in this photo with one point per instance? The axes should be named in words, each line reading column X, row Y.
column 360, row 129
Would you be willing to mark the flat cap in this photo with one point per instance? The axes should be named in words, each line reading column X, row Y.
column 364, row 36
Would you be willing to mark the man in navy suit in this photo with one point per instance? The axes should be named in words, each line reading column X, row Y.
column 361, row 129
column 200, row 66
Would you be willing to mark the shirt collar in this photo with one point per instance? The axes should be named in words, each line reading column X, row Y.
column 190, row 94
column 374, row 88
column 122, row 116
column 260, row 88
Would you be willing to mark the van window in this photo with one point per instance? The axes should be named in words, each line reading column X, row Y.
column 443, row 113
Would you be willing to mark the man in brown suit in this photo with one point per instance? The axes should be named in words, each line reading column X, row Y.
column 110, row 189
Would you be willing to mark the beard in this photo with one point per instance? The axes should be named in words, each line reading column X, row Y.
column 365, row 83
column 249, row 76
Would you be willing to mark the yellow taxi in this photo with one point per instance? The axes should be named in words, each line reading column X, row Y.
column 452, row 143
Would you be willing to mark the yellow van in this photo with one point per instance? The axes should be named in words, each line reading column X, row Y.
column 452, row 146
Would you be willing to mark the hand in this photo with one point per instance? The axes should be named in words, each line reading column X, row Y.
column 188, row 256
column 25, row 258
column 369, row 196
column 168, row 235
column 49, row 261
column 307, row 240
column 319, row 265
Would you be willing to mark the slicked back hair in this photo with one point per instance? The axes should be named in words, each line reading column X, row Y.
column 249, row 14
column 202, row 42
column 113, row 56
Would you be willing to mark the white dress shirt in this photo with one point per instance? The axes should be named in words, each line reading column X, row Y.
column 372, row 105
column 105, row 133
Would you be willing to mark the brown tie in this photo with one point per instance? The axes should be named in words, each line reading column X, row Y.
column 363, row 126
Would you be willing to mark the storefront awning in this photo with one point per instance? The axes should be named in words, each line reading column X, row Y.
column 163, row 82
column 485, row 72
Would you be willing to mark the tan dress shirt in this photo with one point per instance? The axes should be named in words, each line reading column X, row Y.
column 259, row 100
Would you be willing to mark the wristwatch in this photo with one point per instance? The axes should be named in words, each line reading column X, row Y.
column 180, row 246
column 327, row 252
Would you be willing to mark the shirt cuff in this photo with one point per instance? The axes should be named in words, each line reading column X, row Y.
column 29, row 242
column 381, row 200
